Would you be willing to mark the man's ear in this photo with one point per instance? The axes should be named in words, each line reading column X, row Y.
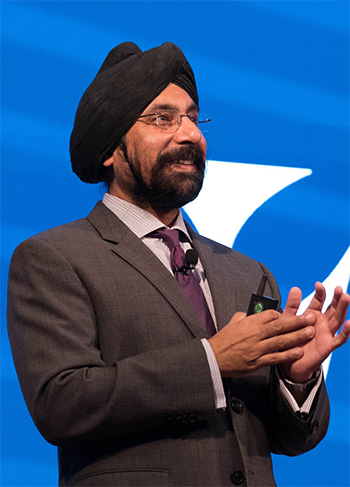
column 116, row 156
column 109, row 162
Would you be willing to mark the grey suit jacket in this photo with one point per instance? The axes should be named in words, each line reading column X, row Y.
column 108, row 353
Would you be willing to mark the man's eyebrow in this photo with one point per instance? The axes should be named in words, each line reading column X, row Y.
column 169, row 106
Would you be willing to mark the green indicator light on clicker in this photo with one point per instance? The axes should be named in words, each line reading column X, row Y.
column 258, row 307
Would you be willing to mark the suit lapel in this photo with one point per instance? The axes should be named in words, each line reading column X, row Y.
column 131, row 249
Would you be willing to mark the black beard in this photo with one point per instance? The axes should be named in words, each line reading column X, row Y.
column 163, row 191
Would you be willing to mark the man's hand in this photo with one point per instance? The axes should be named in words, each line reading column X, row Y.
column 327, row 326
column 248, row 343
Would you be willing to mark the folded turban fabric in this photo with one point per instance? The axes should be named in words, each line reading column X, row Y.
column 125, row 85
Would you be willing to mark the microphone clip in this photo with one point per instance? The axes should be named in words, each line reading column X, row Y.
column 185, row 269
column 191, row 259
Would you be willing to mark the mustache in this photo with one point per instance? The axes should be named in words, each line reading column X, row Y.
column 185, row 153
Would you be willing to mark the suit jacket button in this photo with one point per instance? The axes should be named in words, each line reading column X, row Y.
column 193, row 418
column 237, row 406
column 237, row 477
column 303, row 416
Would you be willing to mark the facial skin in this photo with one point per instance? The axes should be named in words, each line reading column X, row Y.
column 158, row 170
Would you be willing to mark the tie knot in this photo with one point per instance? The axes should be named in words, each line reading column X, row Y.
column 170, row 237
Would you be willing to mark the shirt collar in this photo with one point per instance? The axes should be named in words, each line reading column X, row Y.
column 139, row 220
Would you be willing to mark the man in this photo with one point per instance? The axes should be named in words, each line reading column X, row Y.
column 135, row 383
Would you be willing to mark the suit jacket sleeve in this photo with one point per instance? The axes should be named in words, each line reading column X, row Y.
column 74, row 388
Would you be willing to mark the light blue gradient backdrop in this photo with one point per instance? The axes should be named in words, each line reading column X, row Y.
column 274, row 77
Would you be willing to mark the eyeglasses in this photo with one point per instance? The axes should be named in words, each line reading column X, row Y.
column 170, row 120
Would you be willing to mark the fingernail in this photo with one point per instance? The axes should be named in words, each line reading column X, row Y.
column 309, row 332
column 310, row 318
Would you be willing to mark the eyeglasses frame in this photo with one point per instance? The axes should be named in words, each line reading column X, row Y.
column 179, row 120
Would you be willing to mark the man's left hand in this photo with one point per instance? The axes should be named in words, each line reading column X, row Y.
column 327, row 326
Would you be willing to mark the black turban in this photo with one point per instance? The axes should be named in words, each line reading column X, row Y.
column 125, row 85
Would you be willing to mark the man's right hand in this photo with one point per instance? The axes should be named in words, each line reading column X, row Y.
column 248, row 343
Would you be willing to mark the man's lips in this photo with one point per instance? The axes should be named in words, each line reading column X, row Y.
column 185, row 163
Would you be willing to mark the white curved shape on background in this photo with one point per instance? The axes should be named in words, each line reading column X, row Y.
column 239, row 189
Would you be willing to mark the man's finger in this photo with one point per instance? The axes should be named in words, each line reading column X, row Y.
column 339, row 313
column 281, row 357
column 287, row 341
column 319, row 297
column 293, row 301
column 332, row 308
column 286, row 324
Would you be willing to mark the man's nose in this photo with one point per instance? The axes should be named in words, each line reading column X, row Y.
column 188, row 131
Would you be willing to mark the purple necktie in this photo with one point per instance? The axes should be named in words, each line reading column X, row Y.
column 188, row 281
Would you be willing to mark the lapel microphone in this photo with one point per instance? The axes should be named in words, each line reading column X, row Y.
column 191, row 259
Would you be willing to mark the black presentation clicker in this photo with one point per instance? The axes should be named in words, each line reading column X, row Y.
column 259, row 302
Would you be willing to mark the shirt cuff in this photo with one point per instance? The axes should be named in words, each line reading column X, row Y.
column 313, row 385
column 218, row 388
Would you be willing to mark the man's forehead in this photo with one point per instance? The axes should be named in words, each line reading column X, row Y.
column 172, row 97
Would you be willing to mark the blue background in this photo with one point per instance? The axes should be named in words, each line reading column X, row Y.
column 274, row 77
